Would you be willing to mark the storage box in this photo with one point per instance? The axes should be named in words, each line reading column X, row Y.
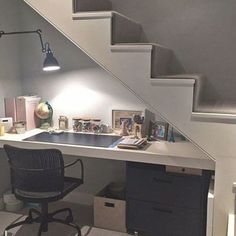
column 109, row 213
column 21, row 109
column 25, row 107
column 10, row 108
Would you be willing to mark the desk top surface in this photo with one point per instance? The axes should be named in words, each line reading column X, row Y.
column 180, row 153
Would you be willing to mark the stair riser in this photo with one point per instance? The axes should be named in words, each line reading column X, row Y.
column 92, row 5
column 125, row 30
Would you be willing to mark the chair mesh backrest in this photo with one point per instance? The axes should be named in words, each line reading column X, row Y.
column 36, row 170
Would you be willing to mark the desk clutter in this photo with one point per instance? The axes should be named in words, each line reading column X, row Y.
column 89, row 124
column 132, row 143
column 25, row 113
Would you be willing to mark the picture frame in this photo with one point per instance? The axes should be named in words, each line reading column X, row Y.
column 160, row 130
column 118, row 116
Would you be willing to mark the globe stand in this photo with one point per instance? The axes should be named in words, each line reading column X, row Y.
column 45, row 123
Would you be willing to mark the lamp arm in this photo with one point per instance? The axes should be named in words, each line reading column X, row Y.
column 38, row 32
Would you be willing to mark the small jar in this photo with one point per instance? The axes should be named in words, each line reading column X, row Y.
column 96, row 125
column 63, row 122
column 20, row 127
column 86, row 125
column 77, row 124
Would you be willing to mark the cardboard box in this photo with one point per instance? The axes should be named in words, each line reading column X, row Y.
column 109, row 213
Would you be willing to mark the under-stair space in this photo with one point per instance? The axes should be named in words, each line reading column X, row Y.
column 150, row 71
column 153, row 74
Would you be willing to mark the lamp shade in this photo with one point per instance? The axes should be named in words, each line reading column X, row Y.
column 50, row 63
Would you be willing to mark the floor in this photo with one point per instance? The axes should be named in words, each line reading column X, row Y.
column 82, row 214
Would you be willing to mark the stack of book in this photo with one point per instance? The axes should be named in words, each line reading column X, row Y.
column 132, row 143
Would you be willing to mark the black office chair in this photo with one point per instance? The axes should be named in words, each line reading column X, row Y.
column 37, row 176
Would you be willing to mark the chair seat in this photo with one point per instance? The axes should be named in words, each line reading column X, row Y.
column 69, row 185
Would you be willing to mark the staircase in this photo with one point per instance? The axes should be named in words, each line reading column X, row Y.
column 147, row 70
column 150, row 72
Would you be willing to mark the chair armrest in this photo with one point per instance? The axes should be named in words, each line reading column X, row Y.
column 81, row 166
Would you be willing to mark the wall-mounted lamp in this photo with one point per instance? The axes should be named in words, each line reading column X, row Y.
column 50, row 63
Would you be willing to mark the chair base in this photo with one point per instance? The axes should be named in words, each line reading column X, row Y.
column 43, row 218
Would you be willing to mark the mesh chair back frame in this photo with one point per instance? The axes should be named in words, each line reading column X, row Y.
column 36, row 170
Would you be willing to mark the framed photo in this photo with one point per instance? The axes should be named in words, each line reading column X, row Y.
column 160, row 130
column 119, row 116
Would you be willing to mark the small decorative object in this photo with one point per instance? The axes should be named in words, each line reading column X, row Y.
column 96, row 125
column 138, row 126
column 44, row 112
column 138, row 119
column 124, row 127
column 172, row 137
column 63, row 122
column 160, row 130
column 106, row 128
column 20, row 127
column 118, row 116
column 77, row 124
column 86, row 125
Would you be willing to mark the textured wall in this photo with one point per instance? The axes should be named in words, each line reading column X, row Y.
column 202, row 34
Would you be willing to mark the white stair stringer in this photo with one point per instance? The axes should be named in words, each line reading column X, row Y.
column 172, row 96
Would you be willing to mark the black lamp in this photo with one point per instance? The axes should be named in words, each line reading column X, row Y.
column 50, row 63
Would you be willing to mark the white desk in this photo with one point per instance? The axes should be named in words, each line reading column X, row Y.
column 182, row 154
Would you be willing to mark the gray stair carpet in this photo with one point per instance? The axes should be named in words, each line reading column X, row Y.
column 164, row 63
